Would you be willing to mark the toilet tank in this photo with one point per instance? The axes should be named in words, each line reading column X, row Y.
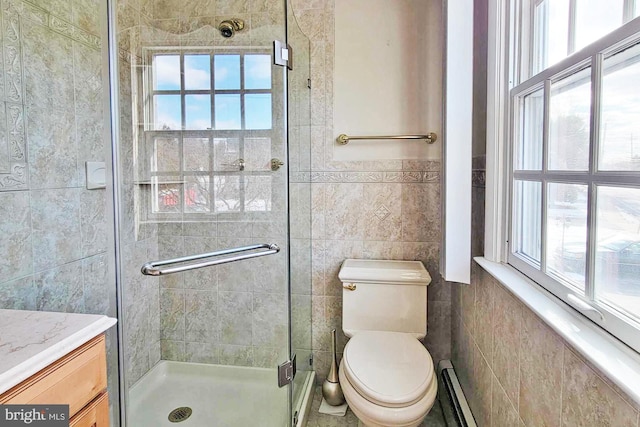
column 386, row 296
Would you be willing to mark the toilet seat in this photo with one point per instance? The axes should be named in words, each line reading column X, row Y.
column 390, row 369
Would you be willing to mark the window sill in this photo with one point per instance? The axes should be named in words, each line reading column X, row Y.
column 614, row 359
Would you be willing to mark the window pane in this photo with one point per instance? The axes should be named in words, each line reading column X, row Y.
column 196, row 194
column 567, row 232
column 618, row 249
column 228, row 112
column 167, row 196
column 257, row 153
column 569, row 111
column 166, row 72
column 257, row 193
column 166, row 155
column 197, row 72
column 257, row 111
column 529, row 150
column 226, row 152
column 196, row 154
column 226, row 190
column 167, row 112
column 527, row 220
column 550, row 33
column 620, row 127
column 198, row 112
column 257, row 72
column 595, row 19
column 226, row 71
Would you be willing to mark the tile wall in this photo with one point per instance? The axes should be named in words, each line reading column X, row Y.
column 54, row 233
column 363, row 209
column 516, row 371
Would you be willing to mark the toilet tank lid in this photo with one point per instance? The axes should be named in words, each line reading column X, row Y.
column 384, row 271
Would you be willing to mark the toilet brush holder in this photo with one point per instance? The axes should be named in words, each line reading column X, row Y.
column 331, row 390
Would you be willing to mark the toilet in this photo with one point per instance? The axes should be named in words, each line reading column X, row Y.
column 386, row 374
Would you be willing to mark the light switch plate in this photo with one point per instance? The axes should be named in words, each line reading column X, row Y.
column 96, row 175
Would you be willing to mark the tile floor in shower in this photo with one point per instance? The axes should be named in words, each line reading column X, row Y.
column 316, row 419
column 220, row 396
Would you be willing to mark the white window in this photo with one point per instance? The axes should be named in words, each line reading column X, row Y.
column 208, row 131
column 574, row 163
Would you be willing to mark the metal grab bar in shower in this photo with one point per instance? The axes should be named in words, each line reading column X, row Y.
column 430, row 137
column 152, row 268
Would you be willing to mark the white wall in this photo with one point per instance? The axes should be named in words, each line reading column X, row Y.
column 387, row 77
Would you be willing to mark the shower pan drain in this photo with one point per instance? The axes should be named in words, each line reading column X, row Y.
column 180, row 414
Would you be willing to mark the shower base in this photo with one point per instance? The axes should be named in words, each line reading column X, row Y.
column 220, row 396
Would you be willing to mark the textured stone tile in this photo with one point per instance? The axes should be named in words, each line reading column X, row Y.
column 86, row 14
column 89, row 100
column 344, row 205
column 172, row 314
column 420, row 212
column 588, row 401
column 55, row 216
column 468, row 300
column 382, row 211
column 382, row 250
column 93, row 220
column 96, row 286
column 60, row 289
column 480, row 397
column 301, row 321
column 166, row 9
column 235, row 313
column 268, row 357
column 541, row 358
column 235, row 355
column 484, row 315
column 15, row 235
column 205, row 279
column 18, row 294
column 198, row 352
column 438, row 339
column 173, row 350
column 270, row 325
column 503, row 411
column 201, row 316
column 507, row 312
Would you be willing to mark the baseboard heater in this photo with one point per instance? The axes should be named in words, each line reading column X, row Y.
column 454, row 405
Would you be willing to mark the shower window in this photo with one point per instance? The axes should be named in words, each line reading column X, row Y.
column 208, row 131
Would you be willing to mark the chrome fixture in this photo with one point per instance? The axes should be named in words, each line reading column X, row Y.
column 229, row 27
column 240, row 163
column 152, row 268
column 430, row 138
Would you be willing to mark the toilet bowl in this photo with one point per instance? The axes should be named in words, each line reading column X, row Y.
column 387, row 375
column 388, row 379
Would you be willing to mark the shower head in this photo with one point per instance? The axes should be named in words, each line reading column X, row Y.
column 230, row 26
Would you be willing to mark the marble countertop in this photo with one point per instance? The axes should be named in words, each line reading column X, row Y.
column 32, row 340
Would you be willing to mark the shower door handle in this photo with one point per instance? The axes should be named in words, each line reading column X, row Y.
column 153, row 268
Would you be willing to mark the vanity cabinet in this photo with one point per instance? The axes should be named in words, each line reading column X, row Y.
column 78, row 379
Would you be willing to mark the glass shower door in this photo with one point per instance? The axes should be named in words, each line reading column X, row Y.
column 202, row 169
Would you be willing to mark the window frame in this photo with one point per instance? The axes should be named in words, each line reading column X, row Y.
column 155, row 178
column 501, row 203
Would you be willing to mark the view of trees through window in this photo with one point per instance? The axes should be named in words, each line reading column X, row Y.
column 209, row 130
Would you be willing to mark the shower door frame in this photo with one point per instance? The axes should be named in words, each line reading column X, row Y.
column 113, row 131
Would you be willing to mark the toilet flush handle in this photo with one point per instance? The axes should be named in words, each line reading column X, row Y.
column 349, row 286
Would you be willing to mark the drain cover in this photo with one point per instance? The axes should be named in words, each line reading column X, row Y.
column 180, row 414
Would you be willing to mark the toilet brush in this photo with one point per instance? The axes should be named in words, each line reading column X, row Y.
column 331, row 390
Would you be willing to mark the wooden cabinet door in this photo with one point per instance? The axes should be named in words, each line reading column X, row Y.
column 95, row 414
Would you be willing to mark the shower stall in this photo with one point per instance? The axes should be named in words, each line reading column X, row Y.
column 212, row 211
